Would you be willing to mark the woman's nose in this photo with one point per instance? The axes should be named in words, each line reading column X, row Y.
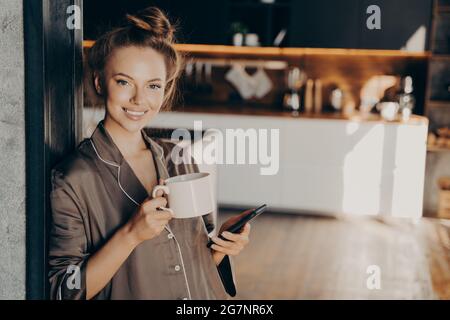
column 138, row 97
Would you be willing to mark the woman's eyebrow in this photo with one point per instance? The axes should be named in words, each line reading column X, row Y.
column 122, row 74
column 125, row 75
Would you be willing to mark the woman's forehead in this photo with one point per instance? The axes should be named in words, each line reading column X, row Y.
column 138, row 63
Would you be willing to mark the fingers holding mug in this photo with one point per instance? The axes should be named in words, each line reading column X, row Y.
column 159, row 191
column 168, row 210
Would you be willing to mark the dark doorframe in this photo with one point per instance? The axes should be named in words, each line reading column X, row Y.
column 53, row 110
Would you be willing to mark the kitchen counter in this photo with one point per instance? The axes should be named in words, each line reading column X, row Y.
column 264, row 111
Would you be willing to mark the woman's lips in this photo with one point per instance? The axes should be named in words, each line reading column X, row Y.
column 134, row 115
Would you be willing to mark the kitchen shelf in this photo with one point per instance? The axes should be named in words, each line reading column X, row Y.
column 438, row 103
column 443, row 8
column 285, row 52
column 260, row 4
column 438, row 56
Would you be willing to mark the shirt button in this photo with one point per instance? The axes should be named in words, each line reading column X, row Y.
column 177, row 268
column 170, row 236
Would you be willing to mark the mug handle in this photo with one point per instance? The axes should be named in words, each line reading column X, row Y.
column 165, row 189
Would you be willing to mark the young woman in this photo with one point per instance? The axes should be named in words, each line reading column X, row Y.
column 108, row 239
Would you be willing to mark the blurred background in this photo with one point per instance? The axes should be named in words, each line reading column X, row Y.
column 360, row 93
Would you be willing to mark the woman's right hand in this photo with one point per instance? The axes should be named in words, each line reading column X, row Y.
column 148, row 222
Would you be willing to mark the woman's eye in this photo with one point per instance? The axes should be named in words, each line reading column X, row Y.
column 154, row 86
column 122, row 82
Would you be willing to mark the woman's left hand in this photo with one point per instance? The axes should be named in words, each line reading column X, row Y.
column 233, row 244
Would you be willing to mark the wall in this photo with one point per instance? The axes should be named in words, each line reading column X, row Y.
column 12, row 152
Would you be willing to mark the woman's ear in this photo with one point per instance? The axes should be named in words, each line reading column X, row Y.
column 97, row 84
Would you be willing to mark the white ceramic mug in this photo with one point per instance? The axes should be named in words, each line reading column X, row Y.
column 188, row 195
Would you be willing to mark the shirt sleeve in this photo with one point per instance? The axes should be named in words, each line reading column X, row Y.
column 67, row 244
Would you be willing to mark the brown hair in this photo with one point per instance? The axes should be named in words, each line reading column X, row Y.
column 147, row 28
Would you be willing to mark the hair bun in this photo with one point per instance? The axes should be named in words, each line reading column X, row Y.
column 152, row 20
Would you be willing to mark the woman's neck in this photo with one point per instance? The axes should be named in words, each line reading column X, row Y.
column 129, row 143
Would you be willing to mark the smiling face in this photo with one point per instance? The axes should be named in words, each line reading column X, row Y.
column 134, row 83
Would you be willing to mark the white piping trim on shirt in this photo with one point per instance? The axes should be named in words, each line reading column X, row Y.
column 58, row 294
column 136, row 203
column 118, row 173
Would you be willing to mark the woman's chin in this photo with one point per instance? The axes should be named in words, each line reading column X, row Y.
column 133, row 126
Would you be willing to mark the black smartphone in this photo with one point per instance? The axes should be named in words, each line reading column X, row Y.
column 253, row 213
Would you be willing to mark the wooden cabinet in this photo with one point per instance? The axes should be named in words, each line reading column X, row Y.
column 198, row 21
column 343, row 24
column 318, row 23
column 404, row 24
column 324, row 24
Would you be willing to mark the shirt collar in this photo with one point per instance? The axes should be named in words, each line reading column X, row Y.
column 109, row 153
